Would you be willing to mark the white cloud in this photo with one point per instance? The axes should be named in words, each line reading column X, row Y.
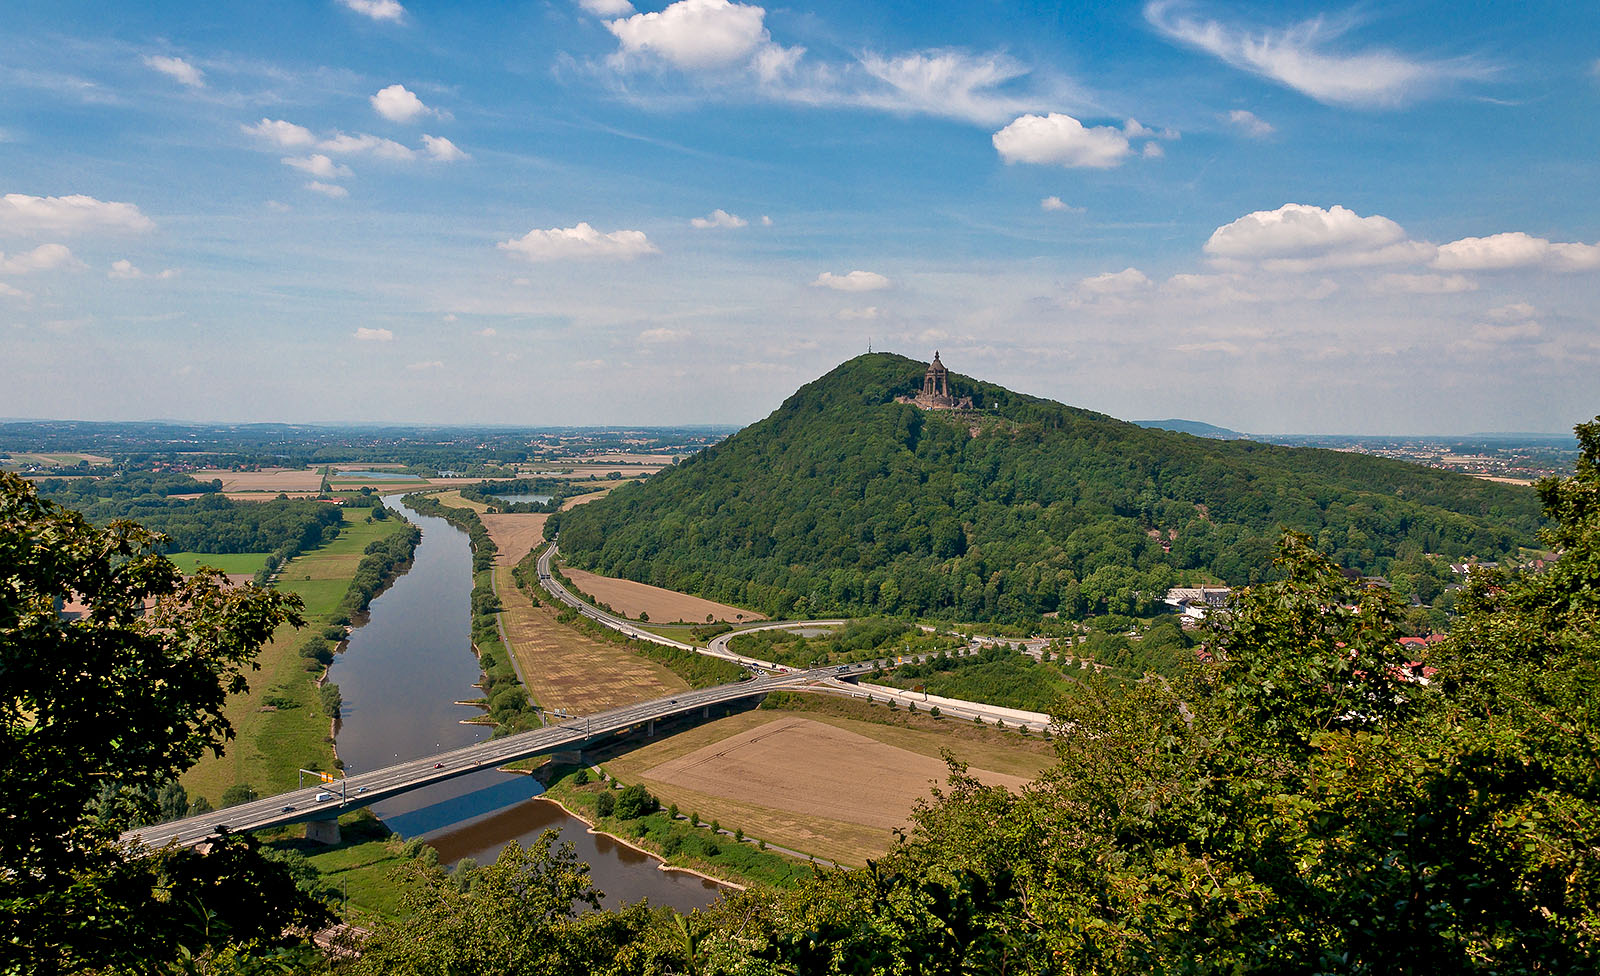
column 607, row 8
column 45, row 257
column 442, row 149
column 766, row 221
column 719, row 218
column 281, row 133
column 1510, row 331
column 1298, row 56
column 11, row 292
column 124, row 270
column 399, row 104
column 947, row 83
column 663, row 335
column 319, row 166
column 177, row 69
column 486, row 332
column 1514, row 312
column 377, row 9
column 1424, row 284
column 339, row 142
column 333, row 190
column 1250, row 123
column 582, row 241
column 854, row 281
column 694, row 33
column 859, row 314
column 430, row 364
column 21, row 214
column 1061, row 140
column 365, row 334
column 1299, row 237
column 1125, row 282
column 1515, row 250
column 1152, row 150
column 1055, row 205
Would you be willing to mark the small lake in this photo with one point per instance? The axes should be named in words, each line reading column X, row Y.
column 530, row 499
column 399, row 678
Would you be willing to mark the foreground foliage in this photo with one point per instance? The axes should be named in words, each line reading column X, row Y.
column 98, row 712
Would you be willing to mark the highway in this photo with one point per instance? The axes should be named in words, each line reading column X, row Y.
column 301, row 805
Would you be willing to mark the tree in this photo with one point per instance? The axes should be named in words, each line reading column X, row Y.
column 635, row 801
column 123, row 697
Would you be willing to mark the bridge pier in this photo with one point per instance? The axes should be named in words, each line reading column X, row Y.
column 650, row 727
column 705, row 712
column 323, row 831
column 568, row 757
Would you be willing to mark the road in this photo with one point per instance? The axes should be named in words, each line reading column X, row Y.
column 298, row 806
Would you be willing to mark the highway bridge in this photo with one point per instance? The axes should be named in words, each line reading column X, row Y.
column 302, row 805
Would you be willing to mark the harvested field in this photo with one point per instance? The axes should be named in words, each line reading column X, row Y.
column 453, row 499
column 267, row 479
column 514, row 535
column 823, row 785
column 576, row 500
column 568, row 670
column 664, row 606
column 261, row 496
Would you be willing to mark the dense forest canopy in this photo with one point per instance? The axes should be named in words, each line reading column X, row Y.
column 845, row 501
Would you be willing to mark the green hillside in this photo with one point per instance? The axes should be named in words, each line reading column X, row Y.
column 845, row 501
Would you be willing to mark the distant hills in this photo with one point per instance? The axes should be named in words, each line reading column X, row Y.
column 1196, row 427
column 843, row 500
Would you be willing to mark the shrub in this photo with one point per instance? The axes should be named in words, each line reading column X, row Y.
column 236, row 794
column 635, row 801
column 672, row 812
column 332, row 701
column 605, row 804
column 581, row 777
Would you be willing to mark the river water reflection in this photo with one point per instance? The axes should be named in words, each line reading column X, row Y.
column 400, row 677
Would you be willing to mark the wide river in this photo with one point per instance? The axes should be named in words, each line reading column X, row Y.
column 400, row 677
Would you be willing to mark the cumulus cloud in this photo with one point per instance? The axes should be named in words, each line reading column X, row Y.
column 1061, row 140
column 319, row 166
column 695, row 33
column 854, row 281
column 607, row 8
column 442, row 149
column 11, row 292
column 1250, row 123
column 1424, row 284
column 399, row 104
column 1299, row 237
column 333, row 190
column 177, row 69
column 721, row 218
column 45, row 257
column 281, row 133
column 382, row 148
column 389, row 10
column 766, row 221
column 21, row 214
column 867, row 314
column 486, row 332
column 1516, row 249
column 1125, row 282
column 429, row 364
column 663, row 335
column 1301, row 57
column 365, row 334
column 1056, row 205
column 124, row 270
column 581, row 241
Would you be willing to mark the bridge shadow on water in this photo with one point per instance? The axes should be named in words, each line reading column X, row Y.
column 498, row 791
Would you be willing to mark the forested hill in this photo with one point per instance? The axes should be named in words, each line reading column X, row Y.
column 845, row 501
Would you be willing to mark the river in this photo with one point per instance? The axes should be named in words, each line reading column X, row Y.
column 400, row 676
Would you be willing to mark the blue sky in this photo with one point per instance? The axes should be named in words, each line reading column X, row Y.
column 1283, row 217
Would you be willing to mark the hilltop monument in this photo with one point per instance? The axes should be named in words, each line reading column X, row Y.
column 935, row 393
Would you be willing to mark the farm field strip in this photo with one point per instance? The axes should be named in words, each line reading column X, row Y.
column 630, row 599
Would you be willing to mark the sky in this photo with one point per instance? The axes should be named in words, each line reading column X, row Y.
column 1278, row 217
